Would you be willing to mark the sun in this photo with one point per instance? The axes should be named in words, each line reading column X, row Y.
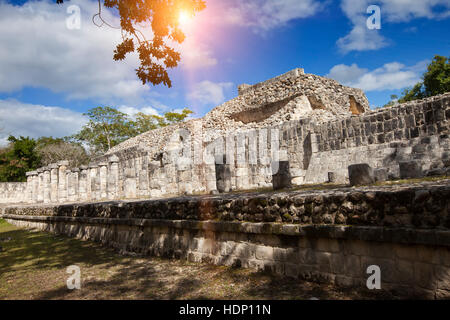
column 184, row 18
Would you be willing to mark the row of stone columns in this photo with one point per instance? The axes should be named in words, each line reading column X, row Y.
column 58, row 183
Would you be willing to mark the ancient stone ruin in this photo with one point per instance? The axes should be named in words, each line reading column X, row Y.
column 319, row 126
column 167, row 191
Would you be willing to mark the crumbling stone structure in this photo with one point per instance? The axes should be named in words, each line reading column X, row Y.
column 315, row 124
column 329, row 236
column 292, row 130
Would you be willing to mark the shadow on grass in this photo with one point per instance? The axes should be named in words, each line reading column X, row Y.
column 108, row 275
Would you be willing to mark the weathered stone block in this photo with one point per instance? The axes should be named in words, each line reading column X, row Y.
column 264, row 253
column 410, row 169
column 281, row 177
column 360, row 174
column 331, row 177
column 436, row 172
column 380, row 175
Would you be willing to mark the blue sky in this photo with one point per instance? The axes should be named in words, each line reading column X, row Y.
column 49, row 74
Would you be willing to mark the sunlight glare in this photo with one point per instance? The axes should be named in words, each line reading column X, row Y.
column 184, row 18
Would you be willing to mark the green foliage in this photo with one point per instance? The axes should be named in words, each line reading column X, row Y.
column 175, row 117
column 394, row 99
column 18, row 158
column 436, row 80
column 145, row 122
column 414, row 93
column 107, row 127
column 27, row 154
column 156, row 55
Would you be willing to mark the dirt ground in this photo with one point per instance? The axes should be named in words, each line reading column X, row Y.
column 33, row 266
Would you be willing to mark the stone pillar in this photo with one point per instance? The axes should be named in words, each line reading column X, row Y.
column 73, row 184
column 223, row 174
column 130, row 185
column 35, row 186
column 113, row 178
column 47, row 185
column 95, row 185
column 54, row 181
column 83, row 183
column 62, row 180
column 142, row 173
column 88, row 184
column 69, row 185
column 40, row 197
column 30, row 186
column 103, row 168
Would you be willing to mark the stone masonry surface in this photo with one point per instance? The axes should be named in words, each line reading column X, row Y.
column 325, row 236
column 421, row 205
column 294, row 129
column 219, row 154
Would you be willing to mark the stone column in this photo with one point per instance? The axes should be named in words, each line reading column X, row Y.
column 95, row 185
column 47, row 185
column 54, row 181
column 30, row 186
column 82, row 184
column 62, row 180
column 73, row 184
column 35, row 186
column 113, row 178
column 223, row 174
column 40, row 197
column 103, row 168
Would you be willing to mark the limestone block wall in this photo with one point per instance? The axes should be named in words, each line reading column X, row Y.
column 404, row 230
column 13, row 192
column 196, row 161
column 413, row 131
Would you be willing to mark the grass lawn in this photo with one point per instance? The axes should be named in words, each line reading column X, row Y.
column 33, row 266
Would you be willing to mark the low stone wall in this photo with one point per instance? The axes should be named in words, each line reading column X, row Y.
column 404, row 231
column 13, row 192
column 418, row 130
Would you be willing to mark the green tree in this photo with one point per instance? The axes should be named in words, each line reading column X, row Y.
column 394, row 99
column 19, row 157
column 106, row 128
column 145, row 122
column 436, row 80
column 175, row 117
column 156, row 55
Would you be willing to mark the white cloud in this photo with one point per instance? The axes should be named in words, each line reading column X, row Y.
column 196, row 55
column 346, row 74
column 133, row 110
column 406, row 10
column 361, row 38
column 391, row 76
column 207, row 92
column 39, row 51
column 268, row 14
column 22, row 119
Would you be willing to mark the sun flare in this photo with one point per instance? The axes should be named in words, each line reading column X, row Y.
column 184, row 18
